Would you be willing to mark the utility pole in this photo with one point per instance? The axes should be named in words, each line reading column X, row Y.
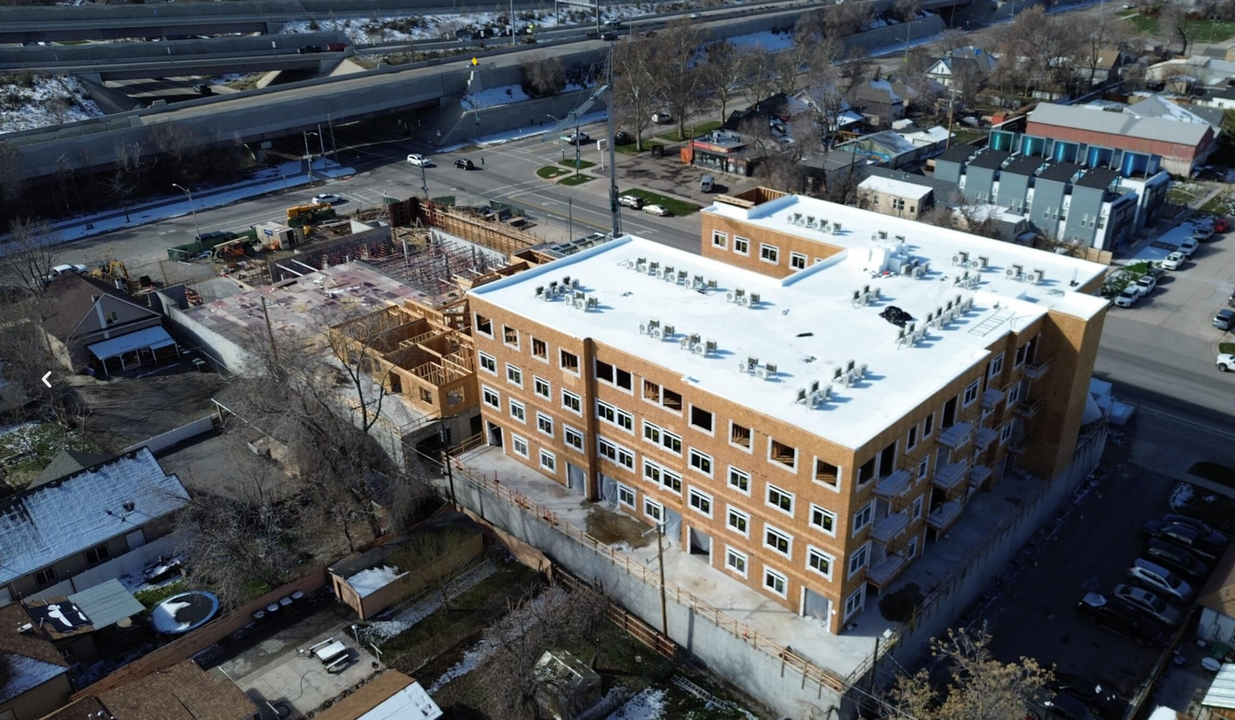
column 512, row 23
column 450, row 476
column 614, row 208
column 570, row 217
column 308, row 158
column 192, row 209
column 274, row 350
column 321, row 139
column 660, row 557
column 947, row 142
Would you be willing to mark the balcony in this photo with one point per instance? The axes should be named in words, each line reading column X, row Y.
column 949, row 476
column 943, row 517
column 885, row 572
column 1036, row 369
column 887, row 528
column 894, row 484
column 1029, row 407
column 978, row 476
column 956, row 436
column 1020, row 447
column 985, row 438
column 991, row 398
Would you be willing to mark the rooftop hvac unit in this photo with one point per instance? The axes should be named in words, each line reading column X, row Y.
column 653, row 266
column 859, row 372
column 917, row 271
column 836, row 228
column 540, row 291
column 766, row 372
column 846, row 379
column 857, row 296
column 553, row 288
column 711, row 284
column 744, row 366
column 966, row 304
column 797, row 218
column 1037, row 276
column 593, row 303
column 682, row 275
column 984, row 261
column 957, row 302
column 907, row 268
column 911, row 327
column 649, row 327
column 802, row 398
column 961, row 279
column 811, row 222
column 883, row 234
column 752, row 362
column 900, row 238
column 960, row 258
column 566, row 282
column 1015, row 272
column 670, row 331
column 641, row 265
column 754, row 299
column 876, row 294
column 837, row 373
column 697, row 282
column 709, row 347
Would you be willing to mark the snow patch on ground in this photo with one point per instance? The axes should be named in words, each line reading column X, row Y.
column 49, row 100
column 1182, row 496
column 382, row 630
column 164, row 617
column 647, row 705
column 367, row 582
column 767, row 40
column 493, row 97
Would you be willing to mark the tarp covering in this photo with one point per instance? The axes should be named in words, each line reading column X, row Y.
column 153, row 338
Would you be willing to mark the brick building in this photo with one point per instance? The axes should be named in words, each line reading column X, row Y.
column 766, row 404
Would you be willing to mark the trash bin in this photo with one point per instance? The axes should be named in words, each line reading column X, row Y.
column 658, row 151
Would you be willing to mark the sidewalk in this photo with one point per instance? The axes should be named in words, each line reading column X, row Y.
column 1163, row 227
column 281, row 177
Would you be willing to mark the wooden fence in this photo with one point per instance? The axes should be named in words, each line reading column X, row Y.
column 620, row 616
column 787, row 658
column 201, row 638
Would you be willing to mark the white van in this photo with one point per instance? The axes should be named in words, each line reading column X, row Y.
column 706, row 184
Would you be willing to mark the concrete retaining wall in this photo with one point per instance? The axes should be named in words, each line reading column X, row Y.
column 52, row 55
column 756, row 673
column 165, row 440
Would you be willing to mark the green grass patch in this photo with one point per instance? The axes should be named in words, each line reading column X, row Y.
column 964, row 137
column 31, row 446
column 629, row 148
column 153, row 596
column 691, row 132
column 677, row 207
column 1226, row 348
column 576, row 180
column 1184, row 193
column 583, row 164
column 1218, row 205
column 1144, row 24
column 1138, row 269
column 1206, row 31
column 550, row 172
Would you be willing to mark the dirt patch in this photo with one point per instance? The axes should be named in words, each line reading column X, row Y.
column 128, row 410
column 610, row 527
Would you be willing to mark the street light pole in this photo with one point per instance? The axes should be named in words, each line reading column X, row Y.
column 424, row 181
column 307, row 155
column 192, row 209
column 450, row 476
column 570, row 217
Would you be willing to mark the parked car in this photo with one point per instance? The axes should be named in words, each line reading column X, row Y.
column 1097, row 696
column 1177, row 560
column 1156, row 272
column 330, row 198
column 659, row 210
column 609, row 37
column 1203, row 232
column 310, row 49
column 1225, row 319
column 203, row 89
column 59, row 270
column 1174, row 261
column 1146, row 284
column 1120, row 617
column 662, row 118
column 576, row 138
column 706, row 184
column 621, row 137
column 1212, row 536
column 696, row 16
column 1226, row 362
column 614, row 23
column 1187, row 246
column 631, row 201
column 1148, row 602
column 1130, row 296
column 1230, row 301
column 418, row 160
column 336, row 47
column 1201, row 544
column 1221, row 224
column 464, row 164
column 1056, row 706
column 1157, row 578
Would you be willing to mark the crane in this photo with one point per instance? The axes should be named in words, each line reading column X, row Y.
column 604, row 90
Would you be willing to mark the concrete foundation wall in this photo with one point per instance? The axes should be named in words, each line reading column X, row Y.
column 782, row 689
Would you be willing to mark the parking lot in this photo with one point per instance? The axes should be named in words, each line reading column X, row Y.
column 1035, row 615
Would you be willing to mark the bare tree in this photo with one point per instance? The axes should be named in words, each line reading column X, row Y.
column 906, row 10
column 777, row 161
column 980, row 688
column 28, row 356
column 761, row 74
column 66, row 177
column 127, row 174
column 544, row 75
column 636, row 85
column 435, row 558
column 683, row 89
column 175, row 149
column 723, row 73
column 1105, row 33
column 1173, row 24
column 29, row 254
column 14, row 185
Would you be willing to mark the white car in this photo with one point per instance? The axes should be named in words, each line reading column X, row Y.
column 418, row 160
column 1174, row 261
column 1187, row 246
column 1129, row 297
column 329, row 198
column 656, row 210
column 1145, row 284
column 1226, row 362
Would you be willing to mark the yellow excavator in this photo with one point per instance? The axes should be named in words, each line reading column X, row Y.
column 114, row 273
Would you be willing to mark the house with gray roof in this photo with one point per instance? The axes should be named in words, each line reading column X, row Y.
column 52, row 532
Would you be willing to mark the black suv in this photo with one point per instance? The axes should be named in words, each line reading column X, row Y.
column 1119, row 616
column 1096, row 696
column 464, row 164
column 1208, row 546
column 1174, row 558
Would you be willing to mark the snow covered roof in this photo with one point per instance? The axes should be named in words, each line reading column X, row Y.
column 806, row 324
column 899, row 188
column 929, row 136
column 77, row 512
column 22, row 674
column 1119, row 123
column 367, row 582
column 389, row 696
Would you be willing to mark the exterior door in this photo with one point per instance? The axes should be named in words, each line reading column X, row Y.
column 608, row 490
column 576, row 480
column 816, row 606
column 495, row 435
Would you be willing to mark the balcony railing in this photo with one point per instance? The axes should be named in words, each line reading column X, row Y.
column 1020, row 447
column 1029, row 407
column 991, row 398
column 894, row 484
column 945, row 515
column 985, row 438
column 949, row 476
column 978, row 476
column 889, row 527
column 1037, row 369
column 956, row 436
column 885, row 572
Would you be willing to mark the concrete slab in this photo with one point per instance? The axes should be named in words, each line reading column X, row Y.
column 840, row 654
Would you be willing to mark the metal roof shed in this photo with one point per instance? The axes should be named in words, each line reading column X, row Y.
column 148, row 340
column 1221, row 692
column 107, row 604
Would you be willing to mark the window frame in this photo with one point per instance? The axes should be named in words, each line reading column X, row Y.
column 98, row 558
column 769, row 488
column 730, row 512
column 860, row 594
column 521, row 417
column 973, row 387
column 995, row 368
column 514, row 445
column 537, row 381
column 659, row 518
column 541, row 419
column 1014, row 394
column 829, row 557
column 784, row 581
column 794, row 257
column 563, row 353
column 729, row 479
column 732, row 551
column 518, row 336
column 775, row 253
column 744, row 242
column 711, row 463
column 814, row 474
column 691, row 493
column 634, row 496
column 567, row 431
column 810, row 519
column 858, row 560
column 483, row 357
column 552, row 465
column 517, row 373
column 485, row 391
column 928, row 425
column 770, row 529
column 1005, row 433
column 723, row 237
column 749, row 447
column 476, row 321
column 911, row 438
column 578, row 401
column 863, row 518
column 690, row 420
column 797, row 455
column 543, row 358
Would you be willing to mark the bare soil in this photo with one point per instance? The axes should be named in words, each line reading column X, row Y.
column 125, row 411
